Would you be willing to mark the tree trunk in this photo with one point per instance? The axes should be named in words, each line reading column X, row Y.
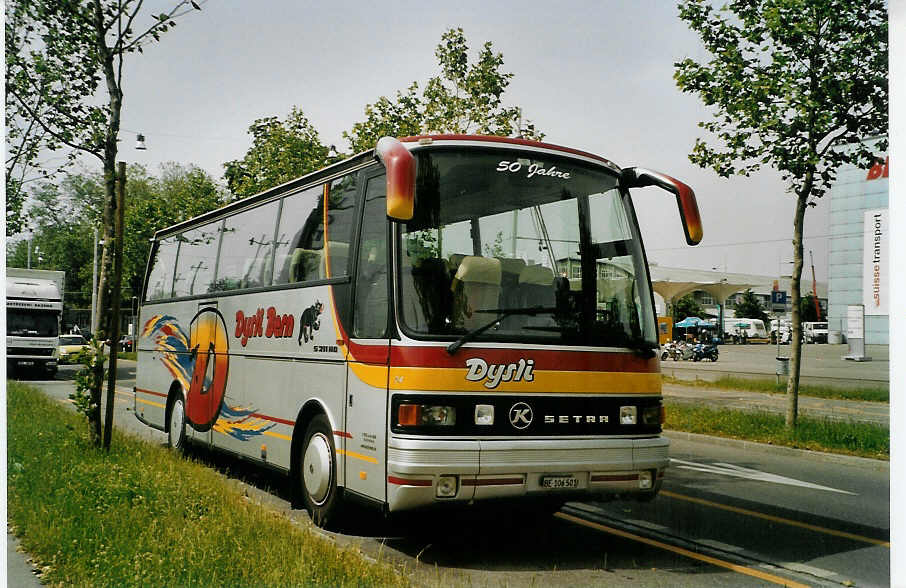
column 116, row 287
column 792, row 385
column 106, row 58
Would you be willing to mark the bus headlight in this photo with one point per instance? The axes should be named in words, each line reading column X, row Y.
column 425, row 415
column 484, row 414
column 628, row 415
column 653, row 415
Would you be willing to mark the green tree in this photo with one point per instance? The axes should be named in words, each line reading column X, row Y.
column 465, row 98
column 60, row 54
column 178, row 193
column 687, row 306
column 807, row 309
column 750, row 307
column 280, row 151
column 789, row 83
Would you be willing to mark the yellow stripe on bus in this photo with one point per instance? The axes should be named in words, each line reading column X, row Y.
column 148, row 402
column 454, row 379
column 355, row 455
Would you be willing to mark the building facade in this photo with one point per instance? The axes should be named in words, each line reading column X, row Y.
column 858, row 255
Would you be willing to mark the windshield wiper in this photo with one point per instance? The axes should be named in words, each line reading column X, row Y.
column 502, row 313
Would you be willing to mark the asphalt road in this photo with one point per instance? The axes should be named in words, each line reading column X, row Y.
column 728, row 515
column 821, row 364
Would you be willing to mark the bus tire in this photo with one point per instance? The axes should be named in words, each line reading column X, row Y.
column 318, row 472
column 176, row 424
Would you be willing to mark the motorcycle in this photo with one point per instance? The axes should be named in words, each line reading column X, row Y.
column 667, row 350
column 702, row 351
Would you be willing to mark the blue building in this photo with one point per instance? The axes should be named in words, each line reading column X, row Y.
column 859, row 250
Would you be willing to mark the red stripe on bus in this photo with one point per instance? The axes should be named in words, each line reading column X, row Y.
column 597, row 361
column 492, row 482
column 405, row 482
column 274, row 419
column 151, row 392
column 342, row 434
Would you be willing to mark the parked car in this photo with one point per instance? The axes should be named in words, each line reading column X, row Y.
column 70, row 348
column 126, row 343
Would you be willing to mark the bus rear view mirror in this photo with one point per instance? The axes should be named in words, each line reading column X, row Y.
column 639, row 177
column 400, row 166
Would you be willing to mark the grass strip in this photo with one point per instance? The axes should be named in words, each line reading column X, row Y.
column 770, row 386
column 861, row 439
column 142, row 515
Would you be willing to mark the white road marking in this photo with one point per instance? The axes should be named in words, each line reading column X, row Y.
column 727, row 469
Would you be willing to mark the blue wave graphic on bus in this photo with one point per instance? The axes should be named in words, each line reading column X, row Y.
column 240, row 423
column 173, row 344
column 174, row 347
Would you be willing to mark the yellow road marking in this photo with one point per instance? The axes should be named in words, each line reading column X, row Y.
column 701, row 557
column 774, row 519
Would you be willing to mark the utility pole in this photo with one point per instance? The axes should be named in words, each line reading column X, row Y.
column 94, row 286
column 814, row 286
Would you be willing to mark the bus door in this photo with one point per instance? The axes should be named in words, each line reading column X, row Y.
column 208, row 349
column 369, row 351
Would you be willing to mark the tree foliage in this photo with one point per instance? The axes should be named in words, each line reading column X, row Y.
column 750, row 307
column 465, row 98
column 58, row 53
column 65, row 213
column 807, row 309
column 59, row 57
column 687, row 306
column 280, row 151
column 789, row 83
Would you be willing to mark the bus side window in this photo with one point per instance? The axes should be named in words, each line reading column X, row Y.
column 300, row 238
column 371, row 301
column 340, row 223
column 196, row 260
column 160, row 281
column 248, row 241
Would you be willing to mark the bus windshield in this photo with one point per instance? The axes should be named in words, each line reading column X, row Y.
column 524, row 246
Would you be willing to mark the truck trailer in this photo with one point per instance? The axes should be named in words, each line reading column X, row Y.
column 34, row 308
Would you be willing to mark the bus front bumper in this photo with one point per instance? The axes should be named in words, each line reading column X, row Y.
column 424, row 472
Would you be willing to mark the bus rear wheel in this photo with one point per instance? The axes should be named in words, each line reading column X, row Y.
column 176, row 432
column 318, row 472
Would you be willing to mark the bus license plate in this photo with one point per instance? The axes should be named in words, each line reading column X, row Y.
column 26, row 363
column 559, row 482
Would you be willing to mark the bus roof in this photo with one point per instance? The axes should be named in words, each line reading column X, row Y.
column 367, row 157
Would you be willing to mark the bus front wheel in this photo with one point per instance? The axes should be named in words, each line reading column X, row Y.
column 318, row 472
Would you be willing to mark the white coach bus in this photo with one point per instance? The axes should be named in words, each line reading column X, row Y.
column 444, row 319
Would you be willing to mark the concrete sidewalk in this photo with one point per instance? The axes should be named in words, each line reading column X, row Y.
column 877, row 413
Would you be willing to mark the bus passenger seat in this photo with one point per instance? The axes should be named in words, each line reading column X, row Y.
column 536, row 286
column 511, row 268
column 339, row 256
column 455, row 260
column 480, row 280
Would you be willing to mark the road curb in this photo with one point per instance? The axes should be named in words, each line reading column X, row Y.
column 849, row 460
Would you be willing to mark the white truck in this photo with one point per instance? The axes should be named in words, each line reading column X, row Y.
column 815, row 332
column 34, row 308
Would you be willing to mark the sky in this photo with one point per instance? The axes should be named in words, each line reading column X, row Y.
column 596, row 76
